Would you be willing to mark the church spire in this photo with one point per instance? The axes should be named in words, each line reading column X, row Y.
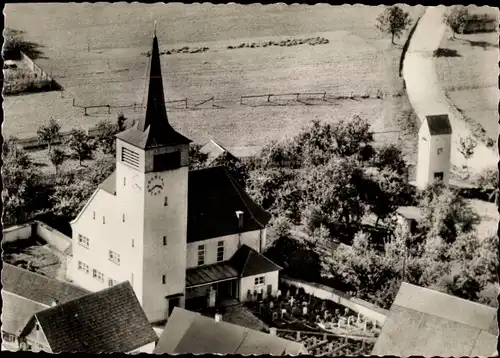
column 153, row 127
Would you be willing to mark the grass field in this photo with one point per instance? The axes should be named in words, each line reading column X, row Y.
column 468, row 73
column 357, row 61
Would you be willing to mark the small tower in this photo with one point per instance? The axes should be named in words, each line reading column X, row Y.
column 434, row 150
column 152, row 165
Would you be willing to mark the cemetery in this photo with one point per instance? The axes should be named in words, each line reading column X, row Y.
column 323, row 326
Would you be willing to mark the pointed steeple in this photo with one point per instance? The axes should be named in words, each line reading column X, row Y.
column 154, row 128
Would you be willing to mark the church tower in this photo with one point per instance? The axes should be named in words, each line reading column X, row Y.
column 152, row 165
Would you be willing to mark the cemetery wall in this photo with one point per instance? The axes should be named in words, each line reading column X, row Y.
column 328, row 293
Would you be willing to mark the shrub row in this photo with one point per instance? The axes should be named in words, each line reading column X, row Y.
column 478, row 130
column 185, row 49
column 284, row 43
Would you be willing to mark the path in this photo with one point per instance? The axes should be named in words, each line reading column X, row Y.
column 425, row 93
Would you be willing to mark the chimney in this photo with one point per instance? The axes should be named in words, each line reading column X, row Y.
column 272, row 331
column 239, row 215
column 218, row 317
column 54, row 302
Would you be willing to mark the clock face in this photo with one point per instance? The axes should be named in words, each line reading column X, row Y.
column 155, row 185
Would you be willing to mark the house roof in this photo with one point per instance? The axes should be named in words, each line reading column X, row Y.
column 208, row 189
column 410, row 212
column 249, row 262
column 215, row 188
column 429, row 323
column 245, row 262
column 111, row 320
column 17, row 311
column 214, row 150
column 153, row 129
column 189, row 332
column 36, row 287
column 439, row 124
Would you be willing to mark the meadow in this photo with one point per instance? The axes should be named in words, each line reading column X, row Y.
column 94, row 52
column 467, row 70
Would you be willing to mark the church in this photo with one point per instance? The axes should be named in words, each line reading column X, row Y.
column 181, row 238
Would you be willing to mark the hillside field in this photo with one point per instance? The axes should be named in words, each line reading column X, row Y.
column 94, row 52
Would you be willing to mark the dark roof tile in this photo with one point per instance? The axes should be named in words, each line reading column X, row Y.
column 439, row 124
column 249, row 262
column 111, row 320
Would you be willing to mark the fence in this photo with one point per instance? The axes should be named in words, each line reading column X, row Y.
column 328, row 293
column 296, row 95
column 39, row 229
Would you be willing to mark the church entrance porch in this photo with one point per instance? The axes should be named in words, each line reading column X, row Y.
column 216, row 294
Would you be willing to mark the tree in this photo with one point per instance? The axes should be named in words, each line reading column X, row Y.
column 121, row 122
column 456, row 19
column 105, row 138
column 15, row 43
column 446, row 213
column 467, row 147
column 57, row 157
column 49, row 133
column 81, row 144
column 390, row 157
column 22, row 194
column 488, row 182
column 197, row 159
column 236, row 168
column 393, row 21
column 69, row 199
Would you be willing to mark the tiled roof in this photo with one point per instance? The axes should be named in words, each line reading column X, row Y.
column 17, row 311
column 111, row 320
column 215, row 188
column 214, row 150
column 429, row 323
column 187, row 332
column 245, row 262
column 410, row 212
column 439, row 124
column 36, row 287
column 249, row 262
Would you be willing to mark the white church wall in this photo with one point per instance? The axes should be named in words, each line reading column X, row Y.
column 424, row 146
column 250, row 238
column 102, row 223
column 169, row 221
column 248, row 283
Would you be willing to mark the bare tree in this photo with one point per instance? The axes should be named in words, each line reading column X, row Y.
column 467, row 147
column 393, row 21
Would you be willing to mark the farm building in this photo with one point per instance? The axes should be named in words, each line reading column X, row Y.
column 190, row 332
column 429, row 323
column 107, row 321
column 172, row 233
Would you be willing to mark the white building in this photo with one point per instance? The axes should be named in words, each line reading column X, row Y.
column 434, row 150
column 175, row 234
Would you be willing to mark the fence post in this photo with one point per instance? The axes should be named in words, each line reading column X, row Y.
column 85, row 110
column 324, row 96
column 213, row 102
column 73, row 102
column 241, row 99
column 186, row 102
column 134, row 106
column 109, row 109
column 269, row 97
column 297, row 94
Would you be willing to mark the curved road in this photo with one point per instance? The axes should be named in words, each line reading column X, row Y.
column 426, row 94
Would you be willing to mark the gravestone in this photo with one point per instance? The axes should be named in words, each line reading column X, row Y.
column 275, row 316
column 304, row 310
column 271, row 305
column 283, row 311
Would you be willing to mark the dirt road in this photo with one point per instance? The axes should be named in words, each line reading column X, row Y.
column 425, row 93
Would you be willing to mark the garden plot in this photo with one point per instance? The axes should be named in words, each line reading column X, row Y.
column 33, row 254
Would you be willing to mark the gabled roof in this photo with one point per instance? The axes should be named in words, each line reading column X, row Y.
column 428, row 323
column 214, row 150
column 215, row 188
column 245, row 262
column 189, row 332
column 249, row 262
column 17, row 311
column 153, row 129
column 439, row 124
column 109, row 184
column 108, row 321
column 36, row 287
